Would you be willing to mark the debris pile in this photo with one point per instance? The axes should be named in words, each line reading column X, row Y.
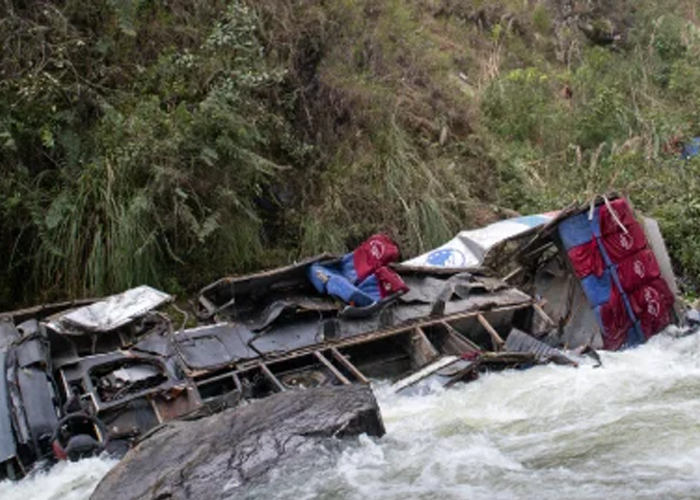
column 78, row 378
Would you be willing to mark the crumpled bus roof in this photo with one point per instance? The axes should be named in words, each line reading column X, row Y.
column 469, row 248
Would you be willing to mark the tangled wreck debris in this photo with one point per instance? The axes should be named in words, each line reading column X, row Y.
column 78, row 380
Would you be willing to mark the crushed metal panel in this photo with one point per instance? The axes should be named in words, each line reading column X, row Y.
column 113, row 312
column 519, row 341
column 8, row 448
column 306, row 334
column 32, row 351
column 155, row 344
column 205, row 352
column 565, row 302
column 8, row 333
column 430, row 297
column 37, row 399
column 280, row 310
column 502, row 298
column 429, row 289
column 424, row 372
column 658, row 246
column 213, row 346
column 289, row 337
column 473, row 303
column 469, row 248
column 241, row 296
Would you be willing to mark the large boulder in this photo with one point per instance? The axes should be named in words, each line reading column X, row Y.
column 214, row 456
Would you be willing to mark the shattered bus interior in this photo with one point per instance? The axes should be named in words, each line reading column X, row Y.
column 80, row 378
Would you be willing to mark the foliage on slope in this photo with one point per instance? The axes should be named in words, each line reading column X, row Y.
column 172, row 142
column 608, row 117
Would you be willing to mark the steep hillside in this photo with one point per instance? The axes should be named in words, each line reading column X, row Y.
column 170, row 142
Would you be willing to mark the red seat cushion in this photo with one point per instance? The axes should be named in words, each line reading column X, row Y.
column 375, row 252
column 638, row 269
column 620, row 245
column 652, row 304
column 587, row 260
column 614, row 320
column 624, row 214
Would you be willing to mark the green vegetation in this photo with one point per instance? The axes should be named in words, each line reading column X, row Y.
column 173, row 142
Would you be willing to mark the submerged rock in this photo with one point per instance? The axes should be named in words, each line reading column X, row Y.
column 212, row 457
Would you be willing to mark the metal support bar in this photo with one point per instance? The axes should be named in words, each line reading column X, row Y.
column 462, row 338
column 271, row 377
column 208, row 305
column 513, row 274
column 538, row 309
column 347, row 364
column 423, row 352
column 495, row 337
column 377, row 335
column 221, row 376
column 332, row 368
column 154, row 407
column 237, row 381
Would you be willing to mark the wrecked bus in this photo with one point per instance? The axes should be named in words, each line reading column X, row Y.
column 77, row 379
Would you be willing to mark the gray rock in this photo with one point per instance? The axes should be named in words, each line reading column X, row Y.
column 216, row 456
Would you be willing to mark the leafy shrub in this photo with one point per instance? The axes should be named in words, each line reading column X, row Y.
column 518, row 105
column 166, row 177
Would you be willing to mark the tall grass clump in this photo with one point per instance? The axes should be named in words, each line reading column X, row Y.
column 159, row 185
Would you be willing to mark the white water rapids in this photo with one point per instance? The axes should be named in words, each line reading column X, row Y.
column 628, row 430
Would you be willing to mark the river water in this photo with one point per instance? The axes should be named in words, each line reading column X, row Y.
column 628, row 430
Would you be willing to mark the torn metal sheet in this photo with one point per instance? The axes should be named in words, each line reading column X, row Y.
column 289, row 337
column 155, row 344
column 424, row 372
column 428, row 289
column 7, row 442
column 455, row 371
column 113, row 312
column 280, row 310
column 242, row 298
column 37, row 398
column 469, row 248
column 519, row 341
column 8, row 334
column 658, row 246
column 565, row 303
column 210, row 347
column 429, row 297
column 307, row 332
